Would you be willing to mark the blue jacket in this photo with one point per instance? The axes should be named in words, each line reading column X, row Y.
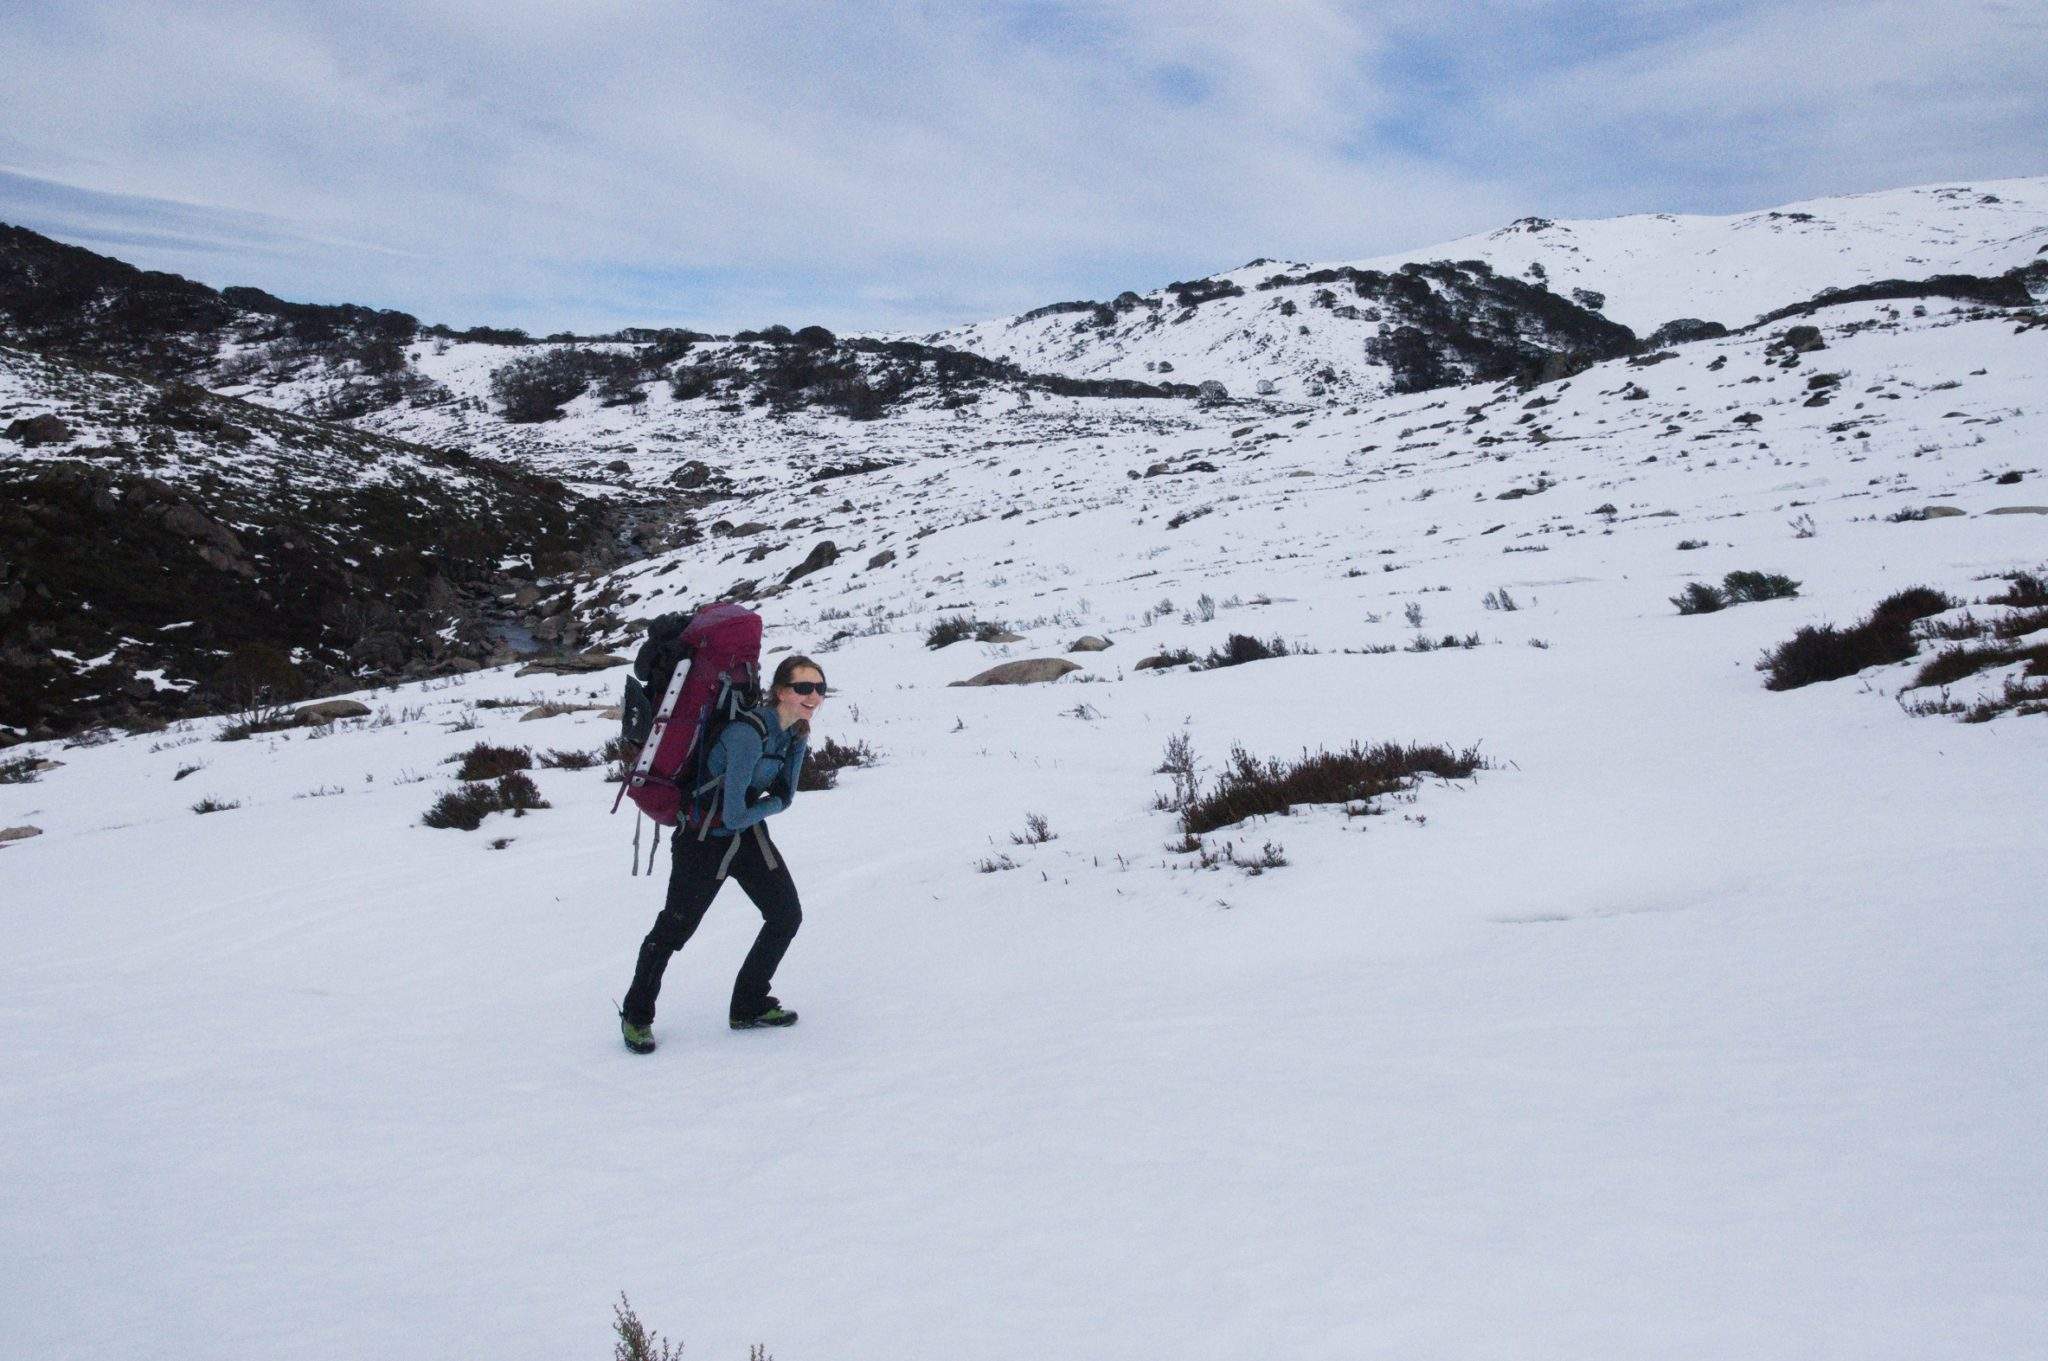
column 750, row 765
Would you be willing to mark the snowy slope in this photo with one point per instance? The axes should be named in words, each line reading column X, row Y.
column 166, row 529
column 1703, row 1024
column 1650, row 268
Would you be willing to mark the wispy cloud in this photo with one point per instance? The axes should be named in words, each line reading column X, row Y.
column 905, row 163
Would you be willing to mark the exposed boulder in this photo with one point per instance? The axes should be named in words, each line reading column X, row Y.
column 329, row 711
column 44, row 429
column 2017, row 510
column 1030, row 671
column 553, row 710
column 571, row 664
column 882, row 559
column 1943, row 512
column 1212, row 393
column 1799, row 340
column 1089, row 643
column 9, row 835
column 819, row 558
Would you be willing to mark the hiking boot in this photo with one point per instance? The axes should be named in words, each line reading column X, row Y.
column 775, row 1014
column 638, row 1038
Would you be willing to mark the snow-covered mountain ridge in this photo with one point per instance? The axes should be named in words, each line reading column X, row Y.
column 1303, row 327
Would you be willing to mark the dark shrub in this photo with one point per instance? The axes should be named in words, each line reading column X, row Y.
column 1173, row 656
column 823, row 763
column 2020, row 625
column 1249, row 787
column 568, row 760
column 463, row 809
column 1700, row 598
column 466, row 807
column 2026, row 590
column 1743, row 588
column 517, row 793
column 486, row 762
column 956, row 628
column 1953, row 664
column 21, row 770
column 1240, row 648
column 1904, row 608
column 1824, row 652
column 213, row 805
column 537, row 387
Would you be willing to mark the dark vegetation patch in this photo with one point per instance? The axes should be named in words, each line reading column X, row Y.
column 958, row 628
column 1823, row 652
column 554, row 759
column 1737, row 588
column 2003, row 290
column 270, row 536
column 2025, row 589
column 536, row 387
column 823, row 763
column 864, row 378
column 210, row 804
column 1445, row 323
column 70, row 302
column 1954, row 663
column 1240, row 648
column 486, row 762
column 21, row 770
column 1422, row 642
column 1353, row 776
column 465, row 807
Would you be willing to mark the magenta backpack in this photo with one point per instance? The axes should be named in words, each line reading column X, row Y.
column 673, row 712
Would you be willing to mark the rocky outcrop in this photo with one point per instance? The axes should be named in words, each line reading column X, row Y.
column 1031, row 671
column 819, row 558
column 330, row 711
column 572, row 664
column 33, row 431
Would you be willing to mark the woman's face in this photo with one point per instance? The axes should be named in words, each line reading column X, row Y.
column 791, row 706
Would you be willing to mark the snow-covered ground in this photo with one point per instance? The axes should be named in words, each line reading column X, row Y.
column 1706, row 1023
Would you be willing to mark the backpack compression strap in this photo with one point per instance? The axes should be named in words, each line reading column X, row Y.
column 644, row 766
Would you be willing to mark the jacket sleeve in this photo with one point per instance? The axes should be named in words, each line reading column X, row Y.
column 741, row 749
column 792, row 771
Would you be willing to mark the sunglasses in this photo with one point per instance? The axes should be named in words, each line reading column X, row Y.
column 808, row 688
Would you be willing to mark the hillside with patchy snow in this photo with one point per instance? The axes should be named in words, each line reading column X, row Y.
column 1319, row 331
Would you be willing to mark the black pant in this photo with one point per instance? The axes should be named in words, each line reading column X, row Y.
column 692, row 883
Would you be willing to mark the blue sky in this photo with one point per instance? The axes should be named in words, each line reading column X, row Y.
column 905, row 165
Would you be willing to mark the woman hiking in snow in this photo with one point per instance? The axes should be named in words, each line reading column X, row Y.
column 757, row 760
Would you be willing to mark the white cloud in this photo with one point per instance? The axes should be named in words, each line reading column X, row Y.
column 908, row 162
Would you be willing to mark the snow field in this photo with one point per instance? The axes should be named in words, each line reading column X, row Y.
column 1705, row 1024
